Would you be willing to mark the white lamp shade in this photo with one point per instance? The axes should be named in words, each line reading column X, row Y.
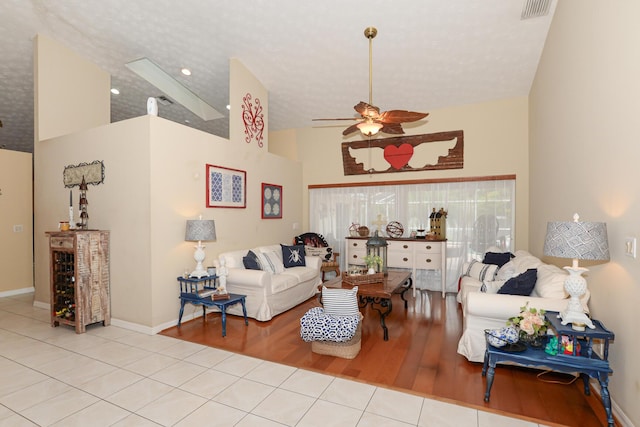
column 577, row 240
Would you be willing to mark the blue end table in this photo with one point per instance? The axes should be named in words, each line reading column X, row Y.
column 587, row 362
column 190, row 293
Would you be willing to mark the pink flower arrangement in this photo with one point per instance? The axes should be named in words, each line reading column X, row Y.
column 530, row 321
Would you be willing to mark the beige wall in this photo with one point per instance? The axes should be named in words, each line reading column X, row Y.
column 583, row 154
column 495, row 143
column 71, row 93
column 155, row 181
column 16, row 250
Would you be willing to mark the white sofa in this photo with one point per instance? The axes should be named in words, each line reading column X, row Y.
column 489, row 310
column 270, row 294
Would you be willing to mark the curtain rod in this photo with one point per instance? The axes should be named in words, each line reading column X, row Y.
column 416, row 181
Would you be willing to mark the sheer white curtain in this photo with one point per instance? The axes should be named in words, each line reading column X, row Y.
column 480, row 214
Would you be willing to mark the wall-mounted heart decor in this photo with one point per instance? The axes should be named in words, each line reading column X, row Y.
column 398, row 157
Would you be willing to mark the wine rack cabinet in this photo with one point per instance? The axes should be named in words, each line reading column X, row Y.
column 79, row 276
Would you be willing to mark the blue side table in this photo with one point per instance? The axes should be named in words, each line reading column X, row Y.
column 587, row 362
column 190, row 293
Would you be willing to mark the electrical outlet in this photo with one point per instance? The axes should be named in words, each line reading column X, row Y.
column 17, row 228
column 630, row 246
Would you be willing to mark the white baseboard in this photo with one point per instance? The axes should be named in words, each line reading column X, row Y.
column 15, row 292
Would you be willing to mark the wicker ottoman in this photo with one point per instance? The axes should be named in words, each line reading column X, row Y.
column 346, row 350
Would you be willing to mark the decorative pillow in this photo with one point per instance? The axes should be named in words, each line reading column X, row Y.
column 520, row 285
column 270, row 262
column 497, row 258
column 293, row 256
column 480, row 271
column 507, row 271
column 251, row 261
column 492, row 287
column 324, row 253
column 340, row 302
column 550, row 282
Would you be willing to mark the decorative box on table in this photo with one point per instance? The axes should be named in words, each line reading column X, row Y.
column 362, row 279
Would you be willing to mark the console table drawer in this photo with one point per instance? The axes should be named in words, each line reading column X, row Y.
column 356, row 255
column 399, row 247
column 428, row 261
column 61, row 242
column 428, row 248
column 399, row 260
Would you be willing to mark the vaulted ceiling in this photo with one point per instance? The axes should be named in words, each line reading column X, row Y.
column 311, row 56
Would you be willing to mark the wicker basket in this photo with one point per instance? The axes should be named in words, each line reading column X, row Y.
column 362, row 279
column 346, row 350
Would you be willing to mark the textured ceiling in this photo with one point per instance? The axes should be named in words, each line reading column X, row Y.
column 311, row 57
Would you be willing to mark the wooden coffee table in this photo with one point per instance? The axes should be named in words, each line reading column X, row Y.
column 379, row 294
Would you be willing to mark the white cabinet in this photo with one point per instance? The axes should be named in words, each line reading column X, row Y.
column 412, row 254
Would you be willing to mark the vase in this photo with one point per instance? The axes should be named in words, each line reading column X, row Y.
column 371, row 270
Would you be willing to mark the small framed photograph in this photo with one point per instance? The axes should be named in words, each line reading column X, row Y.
column 271, row 201
column 226, row 187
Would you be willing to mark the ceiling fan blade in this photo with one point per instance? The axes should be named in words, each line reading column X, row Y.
column 401, row 116
column 392, row 128
column 351, row 129
column 367, row 110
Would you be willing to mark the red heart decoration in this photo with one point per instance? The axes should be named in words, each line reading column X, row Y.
column 398, row 157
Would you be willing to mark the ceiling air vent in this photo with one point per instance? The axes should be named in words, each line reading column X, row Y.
column 535, row 8
column 164, row 100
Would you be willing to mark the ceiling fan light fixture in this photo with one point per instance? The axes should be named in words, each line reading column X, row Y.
column 369, row 128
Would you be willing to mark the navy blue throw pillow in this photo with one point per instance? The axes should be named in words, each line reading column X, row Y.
column 293, row 256
column 522, row 284
column 497, row 258
column 251, row 261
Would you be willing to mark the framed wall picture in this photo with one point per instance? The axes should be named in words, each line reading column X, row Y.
column 271, row 201
column 226, row 187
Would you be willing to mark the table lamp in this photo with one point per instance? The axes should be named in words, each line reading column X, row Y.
column 576, row 240
column 197, row 231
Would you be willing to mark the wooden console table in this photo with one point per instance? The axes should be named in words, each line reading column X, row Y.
column 412, row 254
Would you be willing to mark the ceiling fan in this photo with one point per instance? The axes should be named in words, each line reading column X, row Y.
column 371, row 120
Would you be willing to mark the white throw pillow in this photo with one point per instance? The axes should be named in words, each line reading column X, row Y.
column 492, row 287
column 340, row 302
column 480, row 271
column 507, row 271
column 550, row 282
column 270, row 262
column 324, row 253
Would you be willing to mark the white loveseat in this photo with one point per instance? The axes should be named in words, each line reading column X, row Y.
column 490, row 310
column 269, row 294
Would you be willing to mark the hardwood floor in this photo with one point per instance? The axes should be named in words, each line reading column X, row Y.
column 420, row 357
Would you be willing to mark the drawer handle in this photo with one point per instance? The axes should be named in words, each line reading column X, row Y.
column 355, row 257
column 428, row 246
column 428, row 259
column 405, row 259
column 355, row 245
column 405, row 246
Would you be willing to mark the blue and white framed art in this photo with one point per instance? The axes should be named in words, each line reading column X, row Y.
column 226, row 187
column 271, row 201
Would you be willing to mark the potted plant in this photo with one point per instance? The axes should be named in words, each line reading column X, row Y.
column 372, row 261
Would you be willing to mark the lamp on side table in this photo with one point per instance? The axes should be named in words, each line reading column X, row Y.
column 576, row 240
column 199, row 230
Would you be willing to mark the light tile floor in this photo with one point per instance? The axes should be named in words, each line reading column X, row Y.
column 111, row 376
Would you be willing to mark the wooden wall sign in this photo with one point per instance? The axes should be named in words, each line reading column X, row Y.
column 433, row 151
column 93, row 173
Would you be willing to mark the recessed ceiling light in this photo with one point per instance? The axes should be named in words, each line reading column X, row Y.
column 115, row 91
column 228, row 107
column 186, row 71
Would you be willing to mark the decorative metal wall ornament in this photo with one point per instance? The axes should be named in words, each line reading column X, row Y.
column 92, row 173
column 253, row 118
column 434, row 151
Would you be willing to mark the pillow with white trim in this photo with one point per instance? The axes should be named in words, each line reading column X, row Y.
column 340, row 302
column 293, row 256
column 480, row 271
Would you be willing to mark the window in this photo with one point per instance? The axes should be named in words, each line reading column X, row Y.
column 481, row 214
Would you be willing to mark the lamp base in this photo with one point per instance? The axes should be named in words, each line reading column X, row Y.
column 576, row 287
